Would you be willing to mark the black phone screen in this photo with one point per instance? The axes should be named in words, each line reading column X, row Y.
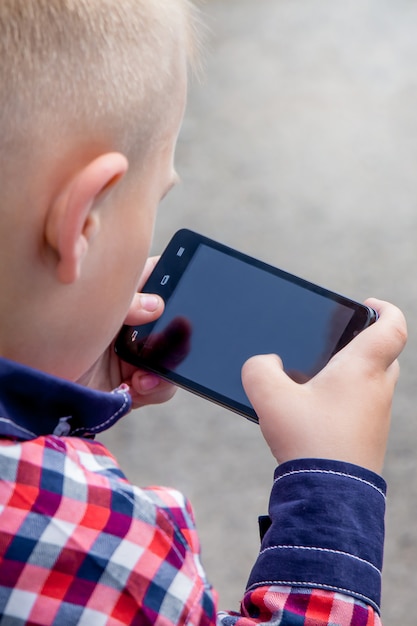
column 222, row 308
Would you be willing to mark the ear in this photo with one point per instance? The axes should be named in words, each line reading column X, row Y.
column 73, row 219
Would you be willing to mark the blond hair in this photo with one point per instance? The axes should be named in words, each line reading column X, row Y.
column 89, row 68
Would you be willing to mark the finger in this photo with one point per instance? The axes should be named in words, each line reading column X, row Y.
column 383, row 341
column 280, row 404
column 148, row 388
column 145, row 308
column 265, row 382
column 145, row 382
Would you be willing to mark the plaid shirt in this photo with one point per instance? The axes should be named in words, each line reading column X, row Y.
column 80, row 545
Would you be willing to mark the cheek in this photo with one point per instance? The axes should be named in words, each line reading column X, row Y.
column 114, row 284
column 126, row 271
column 129, row 251
column 130, row 237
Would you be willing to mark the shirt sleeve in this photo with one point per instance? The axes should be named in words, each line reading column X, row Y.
column 322, row 547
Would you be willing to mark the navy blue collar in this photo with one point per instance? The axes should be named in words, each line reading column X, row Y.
column 33, row 403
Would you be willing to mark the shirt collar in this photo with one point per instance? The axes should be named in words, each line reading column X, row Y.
column 33, row 404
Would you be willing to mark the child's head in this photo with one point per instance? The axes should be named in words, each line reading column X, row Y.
column 91, row 99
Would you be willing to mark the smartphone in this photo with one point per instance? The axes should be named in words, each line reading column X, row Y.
column 223, row 306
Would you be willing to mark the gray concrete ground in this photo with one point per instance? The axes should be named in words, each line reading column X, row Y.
column 299, row 147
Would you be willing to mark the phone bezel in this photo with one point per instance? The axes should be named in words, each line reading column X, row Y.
column 172, row 265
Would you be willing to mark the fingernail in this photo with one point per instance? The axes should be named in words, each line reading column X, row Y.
column 149, row 382
column 149, row 302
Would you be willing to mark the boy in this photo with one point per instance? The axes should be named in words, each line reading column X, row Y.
column 93, row 93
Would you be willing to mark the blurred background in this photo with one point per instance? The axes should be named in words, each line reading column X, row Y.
column 299, row 147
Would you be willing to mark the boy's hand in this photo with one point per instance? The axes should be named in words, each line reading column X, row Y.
column 109, row 372
column 343, row 413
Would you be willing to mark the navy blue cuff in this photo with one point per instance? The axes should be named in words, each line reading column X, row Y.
column 326, row 531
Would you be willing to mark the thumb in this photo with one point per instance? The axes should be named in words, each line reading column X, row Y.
column 277, row 401
column 145, row 308
column 264, row 380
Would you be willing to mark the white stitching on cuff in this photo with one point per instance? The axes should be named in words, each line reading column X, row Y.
column 331, row 472
column 327, row 550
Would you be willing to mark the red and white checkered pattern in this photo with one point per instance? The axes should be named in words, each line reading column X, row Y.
column 80, row 545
